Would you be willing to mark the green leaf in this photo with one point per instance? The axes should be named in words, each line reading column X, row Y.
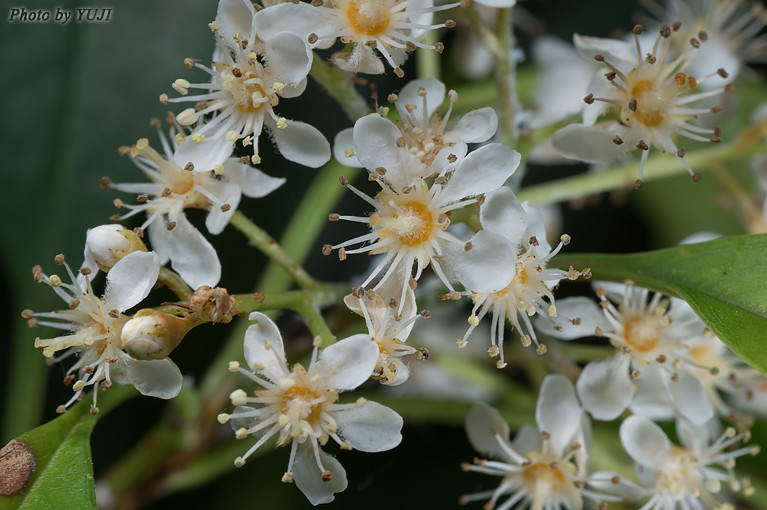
column 722, row 280
column 51, row 465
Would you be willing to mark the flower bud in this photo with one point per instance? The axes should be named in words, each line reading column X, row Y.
column 213, row 305
column 107, row 244
column 153, row 335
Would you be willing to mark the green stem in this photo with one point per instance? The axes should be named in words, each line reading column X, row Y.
column 505, row 79
column 315, row 321
column 427, row 62
column 624, row 176
column 322, row 295
column 271, row 249
column 339, row 85
column 175, row 283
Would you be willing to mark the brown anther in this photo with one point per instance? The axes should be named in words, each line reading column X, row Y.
column 638, row 29
column 236, row 72
column 703, row 36
column 675, row 377
column 468, row 246
column 114, row 313
column 577, row 321
column 342, row 254
column 105, row 182
column 633, row 104
column 165, row 192
column 721, row 72
column 163, row 99
column 105, row 385
column 661, row 358
column 636, row 374
column 327, row 249
column 326, row 476
column 545, row 435
column 110, row 359
column 334, row 217
column 692, row 82
column 313, row 38
column 94, row 410
column 696, row 177
column 680, row 153
column 617, row 140
column 372, row 177
column 139, row 232
column 69, row 379
column 245, row 160
column 589, row 99
column 533, row 241
column 642, row 145
column 59, row 259
column 729, row 88
column 343, row 180
column 481, row 199
column 714, row 371
column 32, row 323
column 449, row 23
column 598, row 331
column 410, row 46
column 412, row 283
column 170, row 225
column 88, row 370
column 372, row 43
column 85, row 271
column 380, row 170
column 439, row 47
column 189, row 166
column 676, row 26
column 599, row 58
column 225, row 207
column 610, row 76
column 400, row 142
column 637, row 184
column 665, row 31
column 586, row 273
column 117, row 203
column 189, row 63
column 74, row 303
column 452, row 158
column 694, row 43
column 680, row 78
column 717, row 131
column 142, row 198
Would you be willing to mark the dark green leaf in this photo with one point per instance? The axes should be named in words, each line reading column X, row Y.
column 722, row 280
column 51, row 464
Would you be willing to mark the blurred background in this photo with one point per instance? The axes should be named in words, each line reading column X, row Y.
column 76, row 92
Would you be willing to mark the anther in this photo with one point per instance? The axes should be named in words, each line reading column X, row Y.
column 721, row 72
column 638, row 29
column 665, row 31
column 676, row 26
column 617, row 140
column 642, row 145
column 327, row 249
column 334, row 217
column 399, row 72
column 633, row 104
column 589, row 99
column 694, row 43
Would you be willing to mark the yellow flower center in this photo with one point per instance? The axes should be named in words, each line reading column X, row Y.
column 542, row 473
column 420, row 221
column 642, row 334
column 649, row 104
column 301, row 396
column 368, row 17
column 182, row 182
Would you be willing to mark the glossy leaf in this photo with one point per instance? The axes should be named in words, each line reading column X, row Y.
column 58, row 457
column 722, row 280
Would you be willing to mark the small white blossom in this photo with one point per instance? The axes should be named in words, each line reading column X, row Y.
column 424, row 131
column 94, row 325
column 186, row 177
column 410, row 218
column 651, row 369
column 651, row 94
column 541, row 469
column 503, row 268
column 392, row 27
column 693, row 475
column 248, row 79
column 299, row 406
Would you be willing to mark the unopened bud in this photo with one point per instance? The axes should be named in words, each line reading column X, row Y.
column 153, row 335
column 107, row 244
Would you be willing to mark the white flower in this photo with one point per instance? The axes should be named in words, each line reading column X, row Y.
column 651, row 95
column 393, row 27
column 187, row 177
column 300, row 407
column 540, row 469
column 690, row 476
column 503, row 268
column 387, row 328
column 652, row 337
column 248, row 78
column 105, row 245
column 94, row 326
column 423, row 130
column 410, row 217
column 732, row 31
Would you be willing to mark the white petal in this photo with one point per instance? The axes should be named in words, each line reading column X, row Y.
column 235, row 16
column 302, row 143
column 362, row 59
column 345, row 140
column 370, row 428
column 293, row 90
column 435, row 95
column 482, row 171
column 420, row 13
column 612, row 50
column 488, row 266
column 158, row 239
column 263, row 347
column 589, row 144
column 228, row 192
column 645, row 442
column 651, row 399
column 155, row 378
column 300, row 18
column 455, row 152
column 191, row 255
column 288, row 57
column 375, row 143
column 568, row 309
column 308, row 477
column 253, row 182
column 604, row 387
column 536, row 225
column 599, row 86
column 348, row 362
column 474, row 127
column 557, row 411
column 482, row 423
column 689, row 398
column 527, row 439
column 203, row 156
column 130, row 280
column 502, row 214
